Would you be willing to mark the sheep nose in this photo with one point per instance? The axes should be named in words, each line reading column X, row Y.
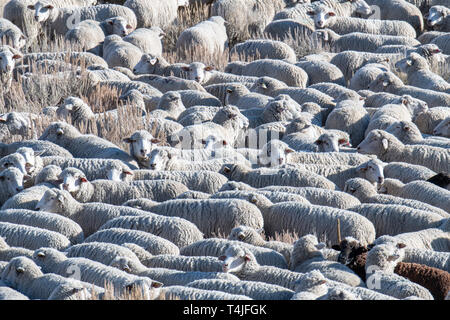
column 197, row 79
column 380, row 179
column 134, row 70
column 18, row 189
column 143, row 152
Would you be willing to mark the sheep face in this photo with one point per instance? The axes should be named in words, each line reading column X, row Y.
column 280, row 109
column 322, row 16
column 198, row 72
column 415, row 106
column 329, row 142
column 374, row 143
column 385, row 82
column 373, row 171
column 16, row 40
column 443, row 128
column 213, row 142
column 30, row 158
column 235, row 259
column 141, row 143
column 359, row 188
column 42, row 10
column 147, row 65
column 118, row 172
column 56, row 131
column 8, row 61
column 72, row 179
column 266, row 85
column 12, row 181
column 119, row 26
column 52, row 201
column 313, row 279
column 14, row 160
column 384, row 257
column 159, row 158
column 20, row 271
column 436, row 15
column 350, row 248
column 274, row 153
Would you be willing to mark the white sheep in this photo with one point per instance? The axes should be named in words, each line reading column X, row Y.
column 7, row 252
column 437, row 18
column 408, row 133
column 187, row 293
column 11, row 183
column 160, row 13
column 263, row 49
column 443, row 128
column 141, row 143
column 427, row 121
column 8, row 60
column 226, row 213
column 388, row 148
column 207, row 38
column 321, row 71
column 215, row 247
column 148, row 40
column 153, row 244
column 120, row 53
column 11, row 34
column 406, row 172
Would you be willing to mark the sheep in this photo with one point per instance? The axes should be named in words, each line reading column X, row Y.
column 17, row 123
column 170, row 83
column 105, row 253
column 371, row 171
column 380, row 263
column 300, row 218
column 44, row 220
column 326, row 142
column 11, row 183
column 226, row 213
column 170, row 277
column 308, row 247
column 250, row 235
column 263, row 49
column 399, row 10
column 240, row 261
column 246, row 17
column 206, row 75
column 283, row 71
column 93, row 272
column 388, row 148
column 7, row 252
column 159, row 13
column 184, row 263
column 388, row 82
column 14, row 160
column 74, row 58
column 193, row 195
column 31, row 237
column 187, row 293
column 156, row 64
column 366, row 74
column 8, row 55
column 178, row 231
column 203, row 181
column 406, row 172
column 253, row 289
column 264, row 177
column 359, row 41
column 389, row 219
column 16, row 11
column 208, row 37
column 437, row 18
column 47, row 148
column 273, row 88
column 152, row 244
column 442, row 43
column 419, row 74
column 148, row 40
column 141, row 142
column 367, row 193
column 60, row 20
column 293, row 32
column 325, row 17
column 24, row 275
column 120, row 53
column 408, row 133
column 7, row 293
column 423, row 191
column 11, row 34
column 238, row 95
column 321, row 71
column 216, row 247
column 84, row 146
column 443, row 128
column 90, row 34
column 172, row 103
column 427, row 121
column 352, row 117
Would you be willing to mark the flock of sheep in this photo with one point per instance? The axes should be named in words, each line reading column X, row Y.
column 278, row 149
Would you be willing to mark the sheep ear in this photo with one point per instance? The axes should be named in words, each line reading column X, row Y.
column 155, row 140
column 128, row 140
column 247, row 257
column 49, row 6
column 60, row 198
column 434, row 51
column 362, row 168
column 253, row 199
column 310, row 13
column 110, row 22
column 209, row 68
column 385, row 143
column 405, row 101
column 344, row 141
column 288, row 150
column 322, row 282
column 224, row 142
column 392, row 258
column 331, row 14
column 222, row 258
column 17, row 56
column 161, row 35
column 41, row 254
column 185, row 68
column 409, row 62
column 320, row 246
column 31, row 7
column 401, row 245
column 129, row 26
column 153, row 61
column 82, row 179
column 128, row 173
column 20, row 270
column 226, row 170
column 260, row 230
column 156, row 284
column 385, row 83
